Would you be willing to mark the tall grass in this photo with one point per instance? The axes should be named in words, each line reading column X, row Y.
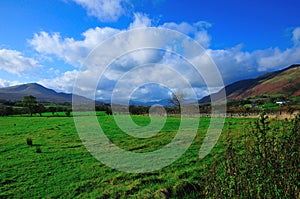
column 265, row 164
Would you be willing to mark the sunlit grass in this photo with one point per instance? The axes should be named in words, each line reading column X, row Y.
column 65, row 169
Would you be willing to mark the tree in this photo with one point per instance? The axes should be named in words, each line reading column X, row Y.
column 8, row 110
column 177, row 99
column 52, row 109
column 68, row 112
column 40, row 108
column 30, row 102
column 108, row 110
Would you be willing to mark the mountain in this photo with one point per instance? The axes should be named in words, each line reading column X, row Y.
column 43, row 94
column 285, row 82
column 163, row 102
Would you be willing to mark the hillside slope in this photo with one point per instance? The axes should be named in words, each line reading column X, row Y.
column 285, row 82
column 43, row 94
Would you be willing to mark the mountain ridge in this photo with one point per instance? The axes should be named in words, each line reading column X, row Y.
column 43, row 94
column 284, row 82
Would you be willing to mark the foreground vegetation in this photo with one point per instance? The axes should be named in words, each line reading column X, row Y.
column 262, row 163
column 254, row 158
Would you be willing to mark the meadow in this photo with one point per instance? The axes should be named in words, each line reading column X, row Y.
column 57, row 165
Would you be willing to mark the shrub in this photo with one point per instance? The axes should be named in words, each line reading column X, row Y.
column 29, row 141
column 68, row 113
column 38, row 149
column 266, row 164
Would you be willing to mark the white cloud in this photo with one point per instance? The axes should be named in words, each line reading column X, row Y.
column 145, row 76
column 53, row 72
column 296, row 36
column 14, row 62
column 183, row 27
column 104, row 10
column 234, row 63
column 71, row 51
column 6, row 83
column 278, row 58
column 121, row 44
column 45, row 43
column 63, row 83
column 140, row 21
column 74, row 51
column 203, row 38
column 197, row 31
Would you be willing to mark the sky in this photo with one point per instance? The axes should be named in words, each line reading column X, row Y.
column 48, row 41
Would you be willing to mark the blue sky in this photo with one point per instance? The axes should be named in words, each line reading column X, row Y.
column 47, row 41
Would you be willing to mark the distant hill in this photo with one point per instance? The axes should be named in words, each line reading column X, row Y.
column 43, row 94
column 163, row 102
column 284, row 82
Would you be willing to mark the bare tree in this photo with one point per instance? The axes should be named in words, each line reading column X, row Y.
column 177, row 98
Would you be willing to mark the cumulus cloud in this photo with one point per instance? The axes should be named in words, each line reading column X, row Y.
column 278, row 58
column 74, row 51
column 63, row 83
column 132, row 69
column 98, row 60
column 14, row 62
column 104, row 10
column 234, row 63
column 140, row 21
column 70, row 50
column 197, row 31
column 6, row 83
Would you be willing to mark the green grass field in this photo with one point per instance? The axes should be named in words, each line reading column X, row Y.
column 65, row 169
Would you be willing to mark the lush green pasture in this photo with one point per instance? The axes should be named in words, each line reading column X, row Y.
column 65, row 169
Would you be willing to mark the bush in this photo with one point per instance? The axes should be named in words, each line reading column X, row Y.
column 38, row 149
column 68, row 113
column 266, row 164
column 29, row 141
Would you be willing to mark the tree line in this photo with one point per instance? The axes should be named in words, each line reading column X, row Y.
column 30, row 105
